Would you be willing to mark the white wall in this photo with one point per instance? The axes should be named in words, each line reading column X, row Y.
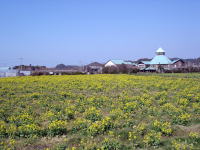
column 26, row 73
column 11, row 74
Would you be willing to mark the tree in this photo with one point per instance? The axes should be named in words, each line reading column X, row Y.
column 60, row 66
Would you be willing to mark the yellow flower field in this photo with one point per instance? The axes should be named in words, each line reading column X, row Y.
column 105, row 112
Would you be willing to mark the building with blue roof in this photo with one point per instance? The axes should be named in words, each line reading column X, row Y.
column 160, row 58
column 115, row 62
column 160, row 62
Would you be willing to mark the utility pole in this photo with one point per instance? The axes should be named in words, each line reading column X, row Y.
column 21, row 62
column 81, row 67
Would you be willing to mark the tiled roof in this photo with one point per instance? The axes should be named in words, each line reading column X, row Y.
column 95, row 64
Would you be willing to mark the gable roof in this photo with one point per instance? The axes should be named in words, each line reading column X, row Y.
column 145, row 62
column 119, row 62
column 95, row 64
column 174, row 61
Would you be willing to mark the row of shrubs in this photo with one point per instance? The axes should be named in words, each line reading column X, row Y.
column 128, row 70
column 106, row 70
column 39, row 73
column 120, row 69
column 184, row 70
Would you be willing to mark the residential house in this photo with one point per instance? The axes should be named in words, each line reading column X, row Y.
column 116, row 62
column 177, row 63
column 143, row 64
column 94, row 68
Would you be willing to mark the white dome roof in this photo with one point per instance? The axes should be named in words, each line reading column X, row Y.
column 160, row 50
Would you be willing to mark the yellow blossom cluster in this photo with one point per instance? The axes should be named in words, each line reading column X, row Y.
column 143, row 111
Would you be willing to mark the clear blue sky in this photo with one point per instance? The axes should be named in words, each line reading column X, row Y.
column 49, row 32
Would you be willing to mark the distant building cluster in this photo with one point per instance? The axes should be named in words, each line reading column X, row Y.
column 159, row 63
column 10, row 72
column 21, row 70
